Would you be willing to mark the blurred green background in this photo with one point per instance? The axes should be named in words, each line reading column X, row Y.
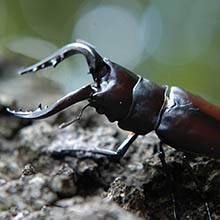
column 174, row 42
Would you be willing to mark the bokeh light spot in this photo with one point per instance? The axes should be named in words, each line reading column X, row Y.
column 115, row 30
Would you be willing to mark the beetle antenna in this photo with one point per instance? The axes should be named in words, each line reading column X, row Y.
column 65, row 124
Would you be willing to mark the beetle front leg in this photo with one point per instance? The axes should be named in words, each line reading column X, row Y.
column 119, row 153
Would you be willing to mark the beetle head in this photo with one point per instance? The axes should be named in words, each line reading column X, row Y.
column 110, row 93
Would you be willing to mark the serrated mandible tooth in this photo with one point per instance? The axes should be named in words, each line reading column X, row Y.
column 53, row 62
column 61, row 56
column 40, row 106
column 34, row 69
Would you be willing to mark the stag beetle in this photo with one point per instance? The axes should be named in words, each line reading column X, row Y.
column 180, row 119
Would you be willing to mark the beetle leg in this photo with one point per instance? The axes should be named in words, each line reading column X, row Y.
column 198, row 184
column 161, row 155
column 119, row 153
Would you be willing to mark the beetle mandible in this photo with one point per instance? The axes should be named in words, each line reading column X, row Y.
column 180, row 119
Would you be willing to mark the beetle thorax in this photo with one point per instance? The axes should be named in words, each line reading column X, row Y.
column 148, row 101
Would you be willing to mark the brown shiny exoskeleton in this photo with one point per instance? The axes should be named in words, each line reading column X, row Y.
column 180, row 119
